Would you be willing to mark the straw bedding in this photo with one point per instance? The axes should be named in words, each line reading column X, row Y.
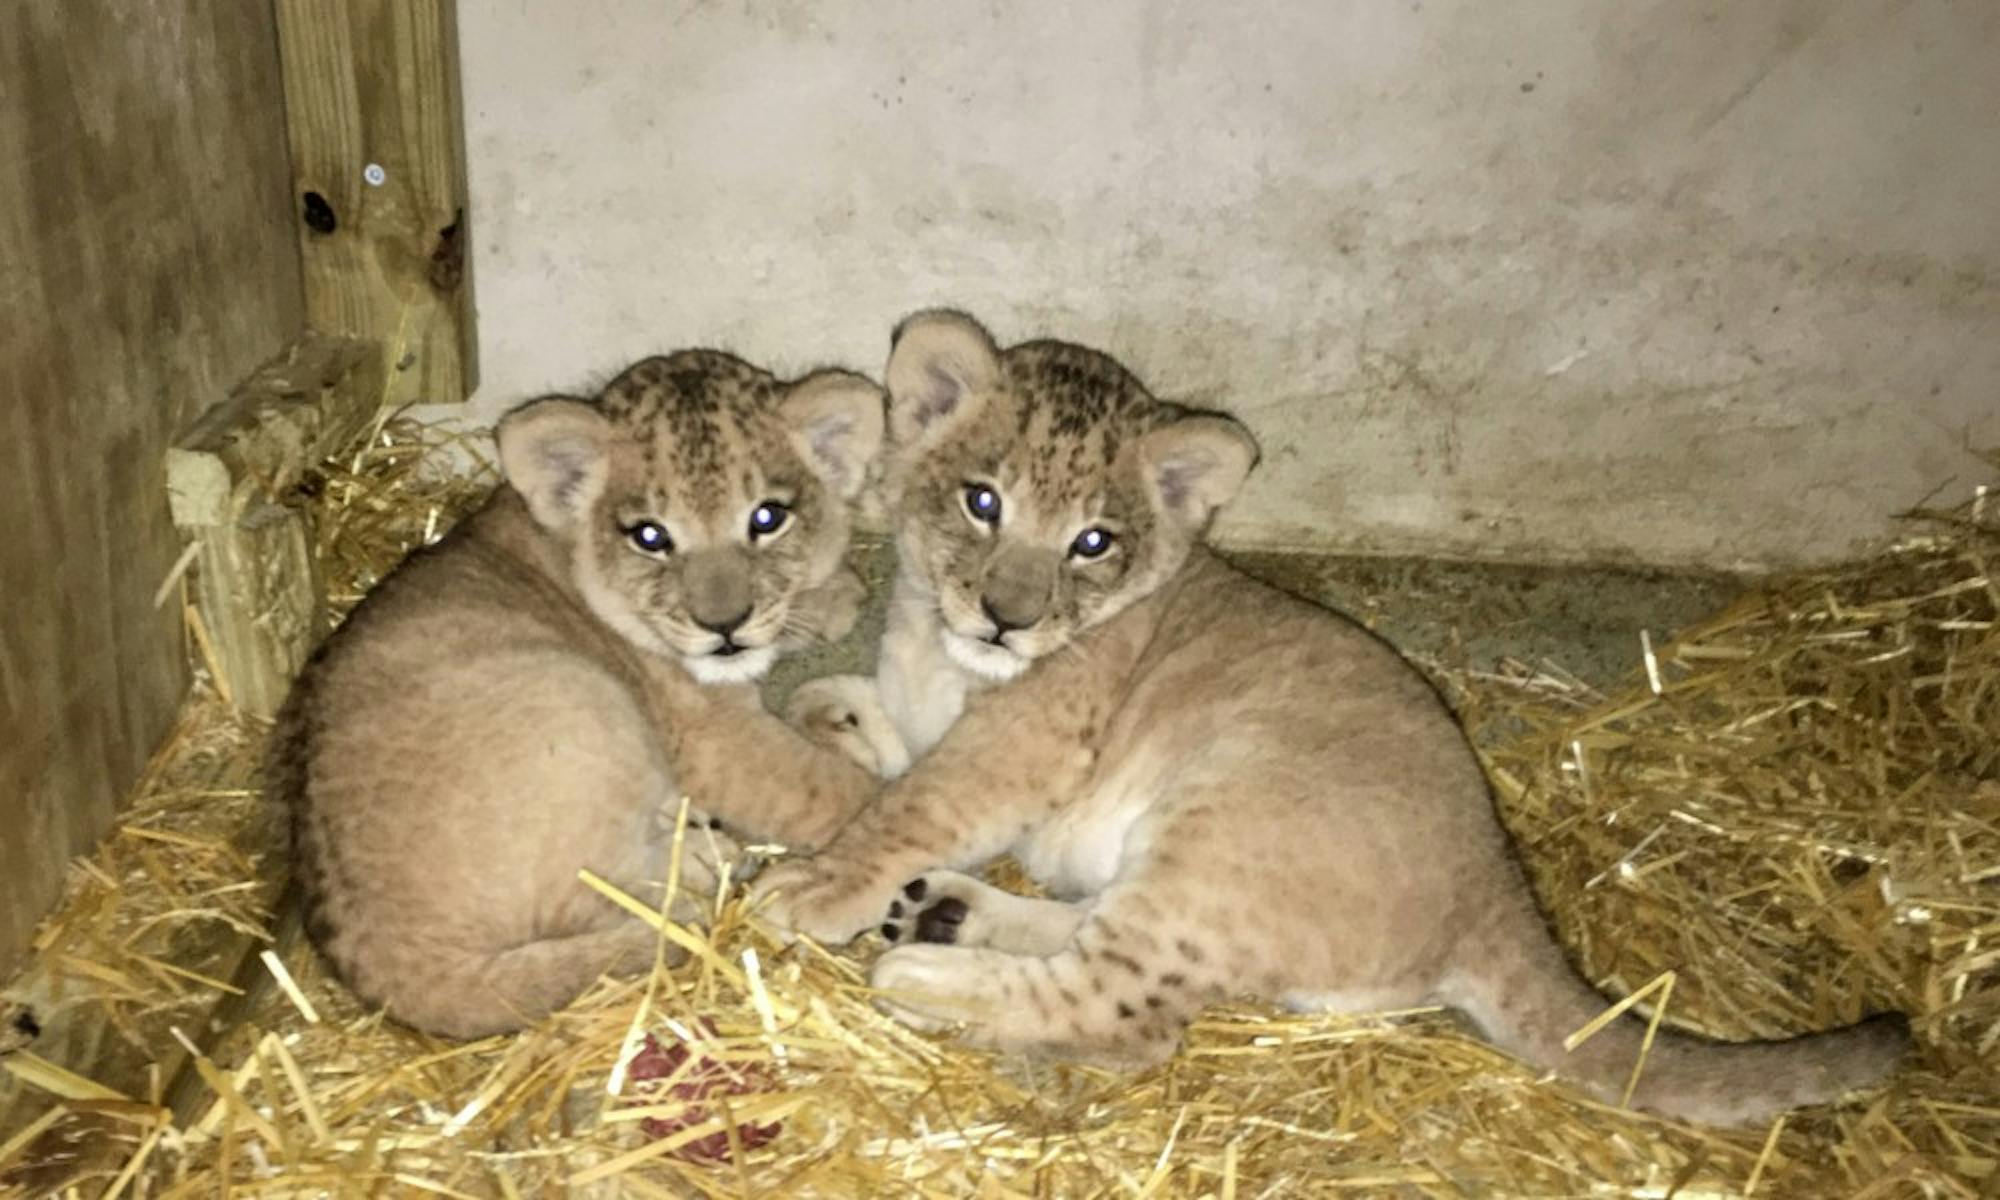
column 1789, row 815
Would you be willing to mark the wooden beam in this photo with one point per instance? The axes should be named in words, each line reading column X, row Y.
column 232, row 484
column 377, row 134
column 147, row 263
column 186, row 1094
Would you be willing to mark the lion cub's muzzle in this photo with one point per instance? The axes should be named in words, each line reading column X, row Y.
column 1018, row 590
column 717, row 587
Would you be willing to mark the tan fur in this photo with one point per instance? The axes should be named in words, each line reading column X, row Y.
column 1236, row 792
column 521, row 700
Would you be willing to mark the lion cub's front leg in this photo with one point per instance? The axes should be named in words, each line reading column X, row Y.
column 962, row 804
column 1113, row 980
column 758, row 773
column 1070, row 1004
column 1023, row 1004
column 845, row 889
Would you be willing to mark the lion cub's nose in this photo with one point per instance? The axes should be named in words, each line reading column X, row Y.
column 726, row 626
column 1005, row 623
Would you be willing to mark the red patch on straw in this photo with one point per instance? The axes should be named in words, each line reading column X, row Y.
column 654, row 1064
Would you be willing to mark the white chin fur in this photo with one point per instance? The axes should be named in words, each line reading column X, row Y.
column 744, row 666
column 984, row 659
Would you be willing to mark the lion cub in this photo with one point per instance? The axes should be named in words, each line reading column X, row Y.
column 1234, row 791
column 533, row 694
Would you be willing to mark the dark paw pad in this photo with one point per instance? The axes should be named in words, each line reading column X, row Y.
column 915, row 889
column 940, row 922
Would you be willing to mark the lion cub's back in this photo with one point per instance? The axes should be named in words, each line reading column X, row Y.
column 1294, row 681
column 370, row 745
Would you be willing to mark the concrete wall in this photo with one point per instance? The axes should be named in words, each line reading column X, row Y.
column 1671, row 280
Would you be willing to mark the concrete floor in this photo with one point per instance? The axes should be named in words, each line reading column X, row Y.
column 1457, row 614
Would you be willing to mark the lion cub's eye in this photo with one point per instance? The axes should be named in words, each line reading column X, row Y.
column 1092, row 543
column 649, row 537
column 982, row 504
column 768, row 518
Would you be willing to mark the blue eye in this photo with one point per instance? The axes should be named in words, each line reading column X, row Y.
column 1091, row 543
column 649, row 537
column 768, row 518
column 983, row 503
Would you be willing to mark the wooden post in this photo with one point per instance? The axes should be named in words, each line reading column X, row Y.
column 232, row 483
column 374, row 117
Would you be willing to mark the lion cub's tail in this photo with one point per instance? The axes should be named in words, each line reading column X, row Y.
column 1529, row 999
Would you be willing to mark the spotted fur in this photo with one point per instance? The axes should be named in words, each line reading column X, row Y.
column 535, row 694
column 1228, row 791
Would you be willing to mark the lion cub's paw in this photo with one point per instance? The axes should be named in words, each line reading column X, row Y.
column 708, row 846
column 844, row 714
column 933, row 908
column 949, row 908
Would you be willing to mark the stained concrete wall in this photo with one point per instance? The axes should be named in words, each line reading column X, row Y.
column 1677, row 281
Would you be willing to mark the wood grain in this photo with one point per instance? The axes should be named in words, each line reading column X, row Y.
column 147, row 263
column 232, row 483
column 377, row 135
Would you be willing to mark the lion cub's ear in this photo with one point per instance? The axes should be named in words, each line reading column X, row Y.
column 555, row 452
column 835, row 422
column 941, row 364
column 1195, row 465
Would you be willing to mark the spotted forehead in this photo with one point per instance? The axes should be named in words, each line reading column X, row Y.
column 697, row 416
column 1073, row 410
